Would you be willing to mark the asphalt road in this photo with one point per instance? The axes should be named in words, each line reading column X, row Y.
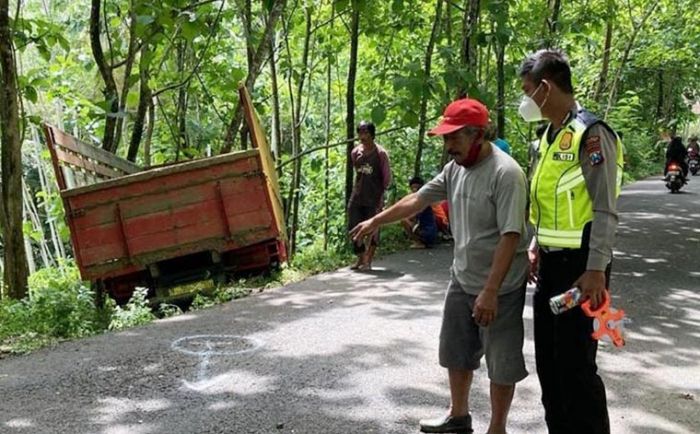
column 348, row 352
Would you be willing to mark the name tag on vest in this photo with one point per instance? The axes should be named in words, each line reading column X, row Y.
column 563, row 156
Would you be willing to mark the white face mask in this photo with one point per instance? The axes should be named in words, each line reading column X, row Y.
column 529, row 110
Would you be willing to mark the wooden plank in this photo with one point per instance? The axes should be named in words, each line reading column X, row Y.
column 68, row 177
column 99, row 235
column 77, row 161
column 245, row 164
column 60, row 180
column 107, row 158
column 118, row 268
column 244, row 222
column 239, row 195
column 249, row 227
column 79, row 177
column 113, row 269
column 102, row 254
column 189, row 234
column 260, row 141
column 203, row 215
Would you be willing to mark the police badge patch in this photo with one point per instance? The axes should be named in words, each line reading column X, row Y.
column 565, row 142
column 593, row 150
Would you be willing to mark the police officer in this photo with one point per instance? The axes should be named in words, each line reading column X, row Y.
column 573, row 196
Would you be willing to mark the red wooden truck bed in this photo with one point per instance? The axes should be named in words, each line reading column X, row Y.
column 168, row 225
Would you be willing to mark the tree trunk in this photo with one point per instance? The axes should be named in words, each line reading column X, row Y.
column 552, row 22
column 484, row 65
column 350, row 98
column 110, row 89
column 469, row 30
column 501, row 42
column 296, row 128
column 501, row 92
column 31, row 263
column 448, row 37
column 426, row 88
column 625, row 56
column 15, row 257
column 327, row 135
column 327, row 171
column 253, row 71
column 32, row 215
column 149, row 133
column 182, row 104
column 276, row 122
column 128, row 67
column 247, row 18
column 144, row 101
column 600, row 88
column 59, row 251
column 660, row 96
column 248, row 30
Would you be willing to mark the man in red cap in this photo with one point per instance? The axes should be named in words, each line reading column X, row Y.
column 486, row 191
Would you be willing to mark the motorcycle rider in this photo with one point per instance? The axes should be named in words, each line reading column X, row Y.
column 693, row 144
column 676, row 152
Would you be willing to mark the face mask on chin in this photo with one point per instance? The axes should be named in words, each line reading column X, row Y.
column 474, row 151
column 529, row 110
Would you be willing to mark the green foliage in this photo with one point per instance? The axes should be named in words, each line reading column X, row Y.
column 313, row 259
column 166, row 310
column 641, row 156
column 59, row 306
column 136, row 312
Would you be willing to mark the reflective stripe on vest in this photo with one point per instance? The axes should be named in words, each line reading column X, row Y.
column 560, row 205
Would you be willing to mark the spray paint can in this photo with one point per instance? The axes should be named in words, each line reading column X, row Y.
column 565, row 301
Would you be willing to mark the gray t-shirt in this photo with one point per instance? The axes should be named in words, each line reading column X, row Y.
column 486, row 201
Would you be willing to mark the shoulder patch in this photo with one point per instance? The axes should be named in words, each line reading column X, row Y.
column 592, row 141
column 593, row 150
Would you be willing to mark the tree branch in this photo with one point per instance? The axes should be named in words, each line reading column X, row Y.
column 199, row 60
column 343, row 142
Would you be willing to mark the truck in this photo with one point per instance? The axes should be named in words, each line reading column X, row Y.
column 165, row 226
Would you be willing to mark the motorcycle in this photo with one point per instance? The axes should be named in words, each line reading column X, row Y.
column 693, row 161
column 675, row 179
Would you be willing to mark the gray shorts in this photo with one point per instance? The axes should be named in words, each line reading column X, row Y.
column 463, row 341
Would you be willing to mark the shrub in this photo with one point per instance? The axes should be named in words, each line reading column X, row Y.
column 136, row 312
column 58, row 306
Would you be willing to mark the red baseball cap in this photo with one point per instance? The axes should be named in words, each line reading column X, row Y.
column 465, row 112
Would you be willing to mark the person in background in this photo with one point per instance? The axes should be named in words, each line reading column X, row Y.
column 677, row 152
column 442, row 219
column 492, row 136
column 693, row 144
column 372, row 177
column 422, row 227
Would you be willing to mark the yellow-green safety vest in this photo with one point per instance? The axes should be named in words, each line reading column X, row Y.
column 560, row 205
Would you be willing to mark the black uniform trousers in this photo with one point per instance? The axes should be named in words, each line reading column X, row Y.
column 573, row 394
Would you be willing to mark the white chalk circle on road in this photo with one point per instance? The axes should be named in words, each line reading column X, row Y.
column 206, row 346
column 216, row 345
